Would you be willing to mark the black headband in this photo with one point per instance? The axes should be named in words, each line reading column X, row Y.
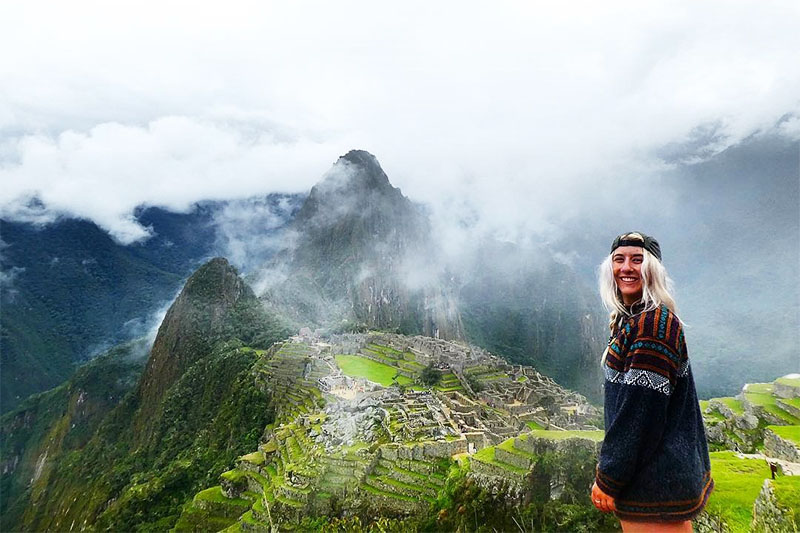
column 649, row 243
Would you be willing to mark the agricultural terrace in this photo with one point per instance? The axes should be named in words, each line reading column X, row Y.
column 361, row 367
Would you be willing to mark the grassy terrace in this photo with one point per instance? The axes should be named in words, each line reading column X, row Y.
column 733, row 404
column 487, row 455
column 737, row 484
column 255, row 458
column 794, row 402
column 533, row 425
column 508, row 445
column 361, row 367
column 791, row 382
column 214, row 494
column 761, row 394
column 790, row 433
column 373, row 490
column 596, row 435
column 787, row 492
column 713, row 416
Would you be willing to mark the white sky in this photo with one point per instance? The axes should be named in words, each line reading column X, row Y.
column 518, row 112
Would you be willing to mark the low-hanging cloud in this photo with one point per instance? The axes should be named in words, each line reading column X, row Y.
column 513, row 114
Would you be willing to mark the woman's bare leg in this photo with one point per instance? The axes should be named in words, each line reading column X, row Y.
column 656, row 527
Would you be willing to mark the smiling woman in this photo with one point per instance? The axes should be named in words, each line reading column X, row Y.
column 654, row 470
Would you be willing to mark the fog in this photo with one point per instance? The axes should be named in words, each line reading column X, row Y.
column 547, row 126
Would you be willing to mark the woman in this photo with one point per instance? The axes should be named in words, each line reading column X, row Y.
column 654, row 471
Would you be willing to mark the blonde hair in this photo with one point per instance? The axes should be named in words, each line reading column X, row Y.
column 657, row 288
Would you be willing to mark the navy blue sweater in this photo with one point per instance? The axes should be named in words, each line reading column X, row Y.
column 654, row 458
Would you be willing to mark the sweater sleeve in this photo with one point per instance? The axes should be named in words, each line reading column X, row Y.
column 638, row 394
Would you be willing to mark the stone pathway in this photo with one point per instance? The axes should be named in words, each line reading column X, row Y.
column 789, row 468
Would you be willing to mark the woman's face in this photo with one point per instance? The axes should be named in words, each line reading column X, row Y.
column 627, row 265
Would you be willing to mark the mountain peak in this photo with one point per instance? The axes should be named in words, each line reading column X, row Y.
column 355, row 183
column 358, row 172
column 215, row 304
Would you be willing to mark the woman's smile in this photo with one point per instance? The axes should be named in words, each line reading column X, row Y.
column 627, row 265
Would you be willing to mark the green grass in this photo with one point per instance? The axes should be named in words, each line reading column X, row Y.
column 255, row 458
column 761, row 394
column 533, row 425
column 596, row 435
column 361, row 367
column 370, row 488
column 522, row 379
column 733, row 404
column 737, row 483
column 386, row 349
column 794, row 402
column 713, row 416
column 790, row 433
column 508, row 445
column 214, row 494
column 233, row 475
column 487, row 455
column 787, row 492
column 759, row 388
column 791, row 382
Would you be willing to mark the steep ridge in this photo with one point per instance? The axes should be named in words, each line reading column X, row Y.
column 214, row 305
column 195, row 407
column 48, row 425
column 70, row 292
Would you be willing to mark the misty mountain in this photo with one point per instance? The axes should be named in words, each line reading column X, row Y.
column 69, row 291
column 154, row 435
column 361, row 255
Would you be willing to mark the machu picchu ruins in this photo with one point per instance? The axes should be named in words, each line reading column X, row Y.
column 356, row 429
column 388, row 442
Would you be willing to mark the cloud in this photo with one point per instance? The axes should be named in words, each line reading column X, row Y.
column 519, row 115
column 172, row 162
column 249, row 230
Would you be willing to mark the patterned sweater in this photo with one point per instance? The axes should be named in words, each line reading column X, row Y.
column 654, row 458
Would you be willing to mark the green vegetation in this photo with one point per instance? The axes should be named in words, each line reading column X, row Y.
column 790, row 433
column 596, row 435
column 361, row 367
column 733, row 404
column 61, row 421
column 787, row 493
column 533, row 424
column 462, row 505
column 791, row 382
column 737, row 484
column 761, row 394
column 430, row 376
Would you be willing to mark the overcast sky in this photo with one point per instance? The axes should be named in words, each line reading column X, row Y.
column 517, row 113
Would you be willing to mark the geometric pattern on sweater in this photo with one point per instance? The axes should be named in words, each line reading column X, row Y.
column 684, row 369
column 643, row 378
column 652, row 343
